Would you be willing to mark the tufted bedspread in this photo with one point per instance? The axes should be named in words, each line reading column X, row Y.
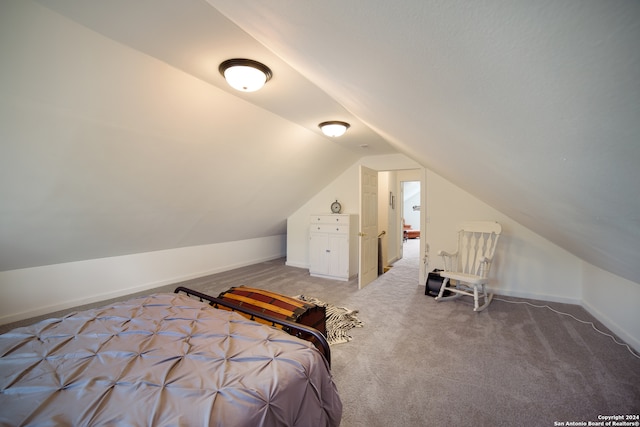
column 162, row 360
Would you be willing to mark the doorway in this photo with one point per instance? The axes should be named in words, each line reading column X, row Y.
column 411, row 221
column 399, row 190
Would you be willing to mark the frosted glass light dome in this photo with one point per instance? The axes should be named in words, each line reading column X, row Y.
column 245, row 75
column 334, row 128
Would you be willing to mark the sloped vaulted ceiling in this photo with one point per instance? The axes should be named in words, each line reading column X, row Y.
column 531, row 106
column 119, row 136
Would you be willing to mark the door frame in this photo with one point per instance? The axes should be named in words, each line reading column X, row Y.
column 424, row 247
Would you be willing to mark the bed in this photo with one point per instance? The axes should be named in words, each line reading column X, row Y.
column 164, row 360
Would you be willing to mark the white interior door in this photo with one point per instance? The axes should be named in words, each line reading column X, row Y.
column 368, row 265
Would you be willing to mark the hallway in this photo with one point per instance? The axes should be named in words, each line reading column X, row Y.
column 410, row 255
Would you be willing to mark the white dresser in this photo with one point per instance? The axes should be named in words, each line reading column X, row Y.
column 333, row 246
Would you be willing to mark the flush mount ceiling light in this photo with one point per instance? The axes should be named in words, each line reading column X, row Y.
column 334, row 128
column 245, row 75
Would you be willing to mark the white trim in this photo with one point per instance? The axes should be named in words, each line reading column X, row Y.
column 534, row 296
column 613, row 326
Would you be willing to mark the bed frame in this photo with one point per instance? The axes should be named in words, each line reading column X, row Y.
column 298, row 330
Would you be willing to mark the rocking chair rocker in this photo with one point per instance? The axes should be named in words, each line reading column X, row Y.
column 469, row 265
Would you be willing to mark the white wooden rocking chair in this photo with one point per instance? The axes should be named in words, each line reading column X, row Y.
column 469, row 266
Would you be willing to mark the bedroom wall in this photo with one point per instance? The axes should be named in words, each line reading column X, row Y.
column 345, row 189
column 614, row 301
column 106, row 151
column 35, row 291
column 529, row 266
column 526, row 265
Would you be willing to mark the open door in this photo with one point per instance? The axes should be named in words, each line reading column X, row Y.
column 368, row 265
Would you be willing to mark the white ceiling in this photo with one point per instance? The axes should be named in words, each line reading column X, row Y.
column 532, row 106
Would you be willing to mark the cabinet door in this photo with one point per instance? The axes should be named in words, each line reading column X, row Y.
column 319, row 253
column 338, row 262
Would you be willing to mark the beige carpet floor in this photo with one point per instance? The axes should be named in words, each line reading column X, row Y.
column 421, row 363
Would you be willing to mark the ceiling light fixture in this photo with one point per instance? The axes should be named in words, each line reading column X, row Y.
column 334, row 128
column 245, row 75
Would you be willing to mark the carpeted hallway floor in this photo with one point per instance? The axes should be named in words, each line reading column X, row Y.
column 421, row 363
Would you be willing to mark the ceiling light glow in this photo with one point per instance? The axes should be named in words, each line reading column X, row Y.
column 245, row 75
column 334, row 128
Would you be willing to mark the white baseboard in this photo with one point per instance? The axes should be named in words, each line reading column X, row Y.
column 534, row 296
column 613, row 326
column 296, row 264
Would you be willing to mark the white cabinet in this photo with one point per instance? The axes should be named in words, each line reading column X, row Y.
column 333, row 246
